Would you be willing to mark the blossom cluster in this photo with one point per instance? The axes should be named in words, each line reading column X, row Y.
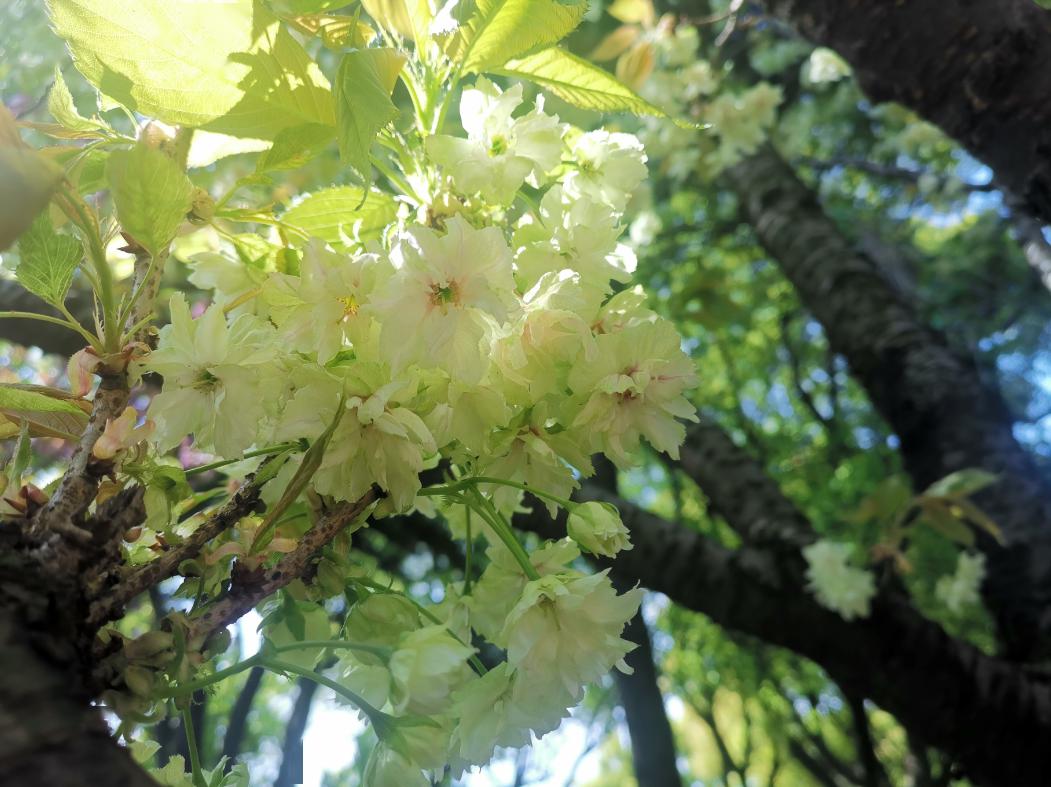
column 684, row 84
column 962, row 588
column 489, row 332
column 838, row 585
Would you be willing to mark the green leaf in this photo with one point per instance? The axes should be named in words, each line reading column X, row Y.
column 294, row 146
column 580, row 83
column 363, row 106
column 504, row 29
column 228, row 67
column 151, row 194
column 27, row 181
column 337, row 213
column 47, row 416
column 962, row 483
column 60, row 105
column 299, row 7
column 297, row 621
column 940, row 518
column 48, row 260
column 408, row 18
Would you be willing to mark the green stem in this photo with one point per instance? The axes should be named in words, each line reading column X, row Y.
column 273, row 449
column 260, row 659
column 503, row 531
column 375, row 715
column 473, row 481
column 191, row 745
column 67, row 323
column 89, row 227
column 469, row 548
column 395, row 178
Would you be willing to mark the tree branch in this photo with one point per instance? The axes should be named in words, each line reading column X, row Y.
column 980, row 71
column 249, row 588
column 932, row 397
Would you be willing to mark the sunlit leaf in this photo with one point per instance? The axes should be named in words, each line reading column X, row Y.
column 363, row 102
column 152, row 195
column 47, row 260
column 578, row 82
column 228, row 67
column 340, row 212
column 501, row 30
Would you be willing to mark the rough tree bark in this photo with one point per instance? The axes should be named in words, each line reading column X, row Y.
column 49, row 733
column 987, row 713
column 932, row 397
column 979, row 70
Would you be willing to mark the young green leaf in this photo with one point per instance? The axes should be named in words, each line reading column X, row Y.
column 294, row 146
column 46, row 416
column 504, row 29
column 152, row 195
column 962, row 483
column 363, row 105
column 338, row 213
column 580, row 83
column 27, row 181
column 60, row 105
column 48, row 260
column 228, row 67
column 408, row 18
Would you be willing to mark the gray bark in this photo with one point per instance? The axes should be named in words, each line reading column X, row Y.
column 934, row 399
column 979, row 70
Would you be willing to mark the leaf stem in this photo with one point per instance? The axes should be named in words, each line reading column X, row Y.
column 66, row 323
column 473, row 481
column 375, row 715
column 273, row 449
column 191, row 745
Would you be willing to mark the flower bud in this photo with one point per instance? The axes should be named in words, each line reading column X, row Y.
column 597, row 528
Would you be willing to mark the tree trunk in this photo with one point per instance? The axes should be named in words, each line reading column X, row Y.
column 932, row 397
column 291, row 771
column 49, row 733
column 652, row 742
column 979, row 70
column 238, row 725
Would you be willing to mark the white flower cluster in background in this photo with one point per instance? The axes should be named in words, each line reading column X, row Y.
column 685, row 85
column 961, row 589
column 838, row 585
column 494, row 335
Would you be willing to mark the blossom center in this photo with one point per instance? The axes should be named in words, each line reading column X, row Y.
column 350, row 305
column 206, row 381
column 445, row 293
column 498, row 145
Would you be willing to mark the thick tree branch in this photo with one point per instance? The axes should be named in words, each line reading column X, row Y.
column 49, row 732
column 242, row 503
column 248, row 588
column 979, row 70
column 728, row 475
column 872, row 768
column 932, row 397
